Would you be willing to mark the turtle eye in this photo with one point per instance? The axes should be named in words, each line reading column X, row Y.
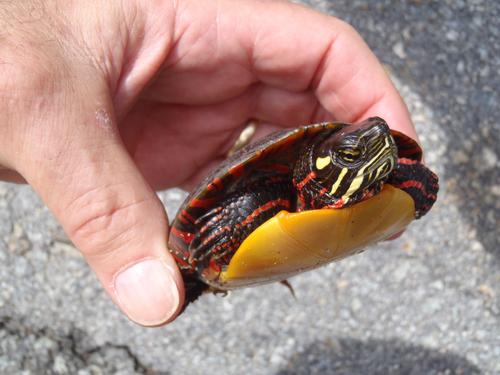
column 349, row 155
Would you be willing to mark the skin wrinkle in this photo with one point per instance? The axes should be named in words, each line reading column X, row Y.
column 250, row 50
column 250, row 56
column 181, row 60
column 113, row 66
column 244, row 46
column 106, row 247
column 180, row 27
column 15, row 16
column 144, row 65
column 102, row 221
column 81, row 172
column 320, row 79
column 253, row 39
column 376, row 100
column 175, row 58
column 70, row 170
column 118, row 86
column 247, row 64
column 46, row 149
column 341, row 107
column 315, row 113
column 315, row 80
column 83, row 42
column 88, row 197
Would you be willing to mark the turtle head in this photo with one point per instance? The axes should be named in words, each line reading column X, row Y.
column 348, row 165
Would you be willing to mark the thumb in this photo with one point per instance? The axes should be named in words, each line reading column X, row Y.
column 87, row 178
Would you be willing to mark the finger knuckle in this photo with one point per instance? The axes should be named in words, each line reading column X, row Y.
column 103, row 223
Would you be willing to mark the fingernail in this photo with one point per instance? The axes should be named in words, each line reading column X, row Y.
column 147, row 293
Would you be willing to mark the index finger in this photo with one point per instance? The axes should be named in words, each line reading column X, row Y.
column 277, row 57
column 306, row 50
column 274, row 58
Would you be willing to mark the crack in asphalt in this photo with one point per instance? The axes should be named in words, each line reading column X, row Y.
column 69, row 344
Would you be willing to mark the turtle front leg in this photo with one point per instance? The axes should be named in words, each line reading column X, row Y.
column 221, row 230
column 418, row 181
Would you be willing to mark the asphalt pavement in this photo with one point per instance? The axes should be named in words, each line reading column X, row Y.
column 427, row 303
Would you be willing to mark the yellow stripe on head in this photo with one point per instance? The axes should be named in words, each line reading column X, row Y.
column 321, row 163
column 338, row 181
column 360, row 176
column 355, row 184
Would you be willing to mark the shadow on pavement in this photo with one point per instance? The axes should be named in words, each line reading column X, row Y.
column 375, row 357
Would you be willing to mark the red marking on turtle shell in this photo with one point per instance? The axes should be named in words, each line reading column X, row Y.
column 281, row 168
column 276, row 179
column 237, row 171
column 216, row 184
column 186, row 218
column 203, row 203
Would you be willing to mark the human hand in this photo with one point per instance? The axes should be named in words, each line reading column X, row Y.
column 103, row 102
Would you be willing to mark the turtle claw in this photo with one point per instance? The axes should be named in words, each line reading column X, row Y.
column 222, row 293
column 289, row 286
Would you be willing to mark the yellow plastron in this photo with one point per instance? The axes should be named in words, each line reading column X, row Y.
column 290, row 243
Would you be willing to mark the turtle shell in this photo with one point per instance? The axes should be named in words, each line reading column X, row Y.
column 290, row 243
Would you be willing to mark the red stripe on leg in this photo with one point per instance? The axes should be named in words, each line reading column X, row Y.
column 407, row 161
column 411, row 184
column 267, row 206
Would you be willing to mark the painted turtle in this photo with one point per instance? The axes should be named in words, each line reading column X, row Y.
column 298, row 199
